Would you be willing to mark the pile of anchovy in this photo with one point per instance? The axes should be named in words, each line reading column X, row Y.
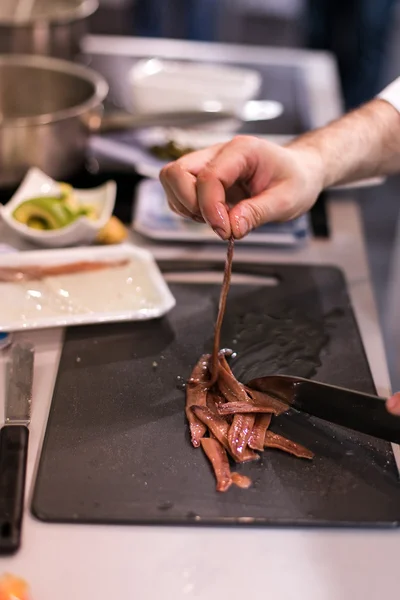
column 227, row 418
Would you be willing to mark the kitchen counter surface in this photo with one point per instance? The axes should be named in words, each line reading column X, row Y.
column 103, row 562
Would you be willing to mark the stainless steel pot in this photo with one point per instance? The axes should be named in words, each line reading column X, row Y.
column 46, row 27
column 47, row 109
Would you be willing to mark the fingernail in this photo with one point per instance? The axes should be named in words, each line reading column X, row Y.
column 220, row 232
column 243, row 226
column 198, row 219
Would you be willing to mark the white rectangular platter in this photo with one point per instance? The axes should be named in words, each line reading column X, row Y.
column 129, row 288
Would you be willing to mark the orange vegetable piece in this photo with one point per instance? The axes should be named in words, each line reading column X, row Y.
column 13, row 588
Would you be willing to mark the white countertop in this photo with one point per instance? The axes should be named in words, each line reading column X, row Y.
column 65, row 562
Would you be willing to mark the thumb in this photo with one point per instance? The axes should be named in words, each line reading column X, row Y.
column 393, row 404
column 277, row 203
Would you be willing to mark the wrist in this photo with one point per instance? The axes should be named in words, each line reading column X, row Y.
column 310, row 160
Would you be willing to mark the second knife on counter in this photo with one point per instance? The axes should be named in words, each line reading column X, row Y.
column 14, row 438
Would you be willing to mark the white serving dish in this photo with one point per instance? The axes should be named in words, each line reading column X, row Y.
column 91, row 297
column 133, row 149
column 155, row 220
column 80, row 232
column 162, row 85
column 194, row 138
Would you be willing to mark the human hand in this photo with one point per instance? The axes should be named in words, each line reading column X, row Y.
column 393, row 404
column 240, row 185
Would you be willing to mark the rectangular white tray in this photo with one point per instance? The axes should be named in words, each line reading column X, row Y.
column 94, row 289
column 154, row 219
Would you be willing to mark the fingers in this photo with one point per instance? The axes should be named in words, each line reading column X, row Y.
column 393, row 404
column 180, row 190
column 212, row 204
column 196, row 161
column 278, row 203
column 179, row 181
column 200, row 184
column 233, row 162
column 197, row 184
column 180, row 210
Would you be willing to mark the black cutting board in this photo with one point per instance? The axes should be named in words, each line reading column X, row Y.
column 117, row 449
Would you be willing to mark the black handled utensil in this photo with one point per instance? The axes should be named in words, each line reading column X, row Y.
column 355, row 410
column 14, row 438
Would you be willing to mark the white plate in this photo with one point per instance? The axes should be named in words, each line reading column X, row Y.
column 81, row 231
column 134, row 148
column 162, row 85
column 194, row 138
column 134, row 292
column 154, row 219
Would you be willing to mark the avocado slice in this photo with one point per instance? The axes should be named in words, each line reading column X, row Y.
column 87, row 211
column 48, row 210
column 66, row 190
column 68, row 197
column 37, row 223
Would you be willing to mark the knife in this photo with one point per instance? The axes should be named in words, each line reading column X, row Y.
column 253, row 110
column 119, row 120
column 14, row 438
column 355, row 410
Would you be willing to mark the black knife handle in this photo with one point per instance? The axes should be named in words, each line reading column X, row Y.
column 13, row 454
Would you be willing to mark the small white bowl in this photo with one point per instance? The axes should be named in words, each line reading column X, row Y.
column 81, row 232
column 163, row 86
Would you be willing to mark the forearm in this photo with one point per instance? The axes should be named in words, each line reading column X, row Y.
column 364, row 143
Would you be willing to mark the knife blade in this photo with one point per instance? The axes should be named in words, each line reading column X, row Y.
column 14, row 438
column 119, row 120
column 354, row 410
